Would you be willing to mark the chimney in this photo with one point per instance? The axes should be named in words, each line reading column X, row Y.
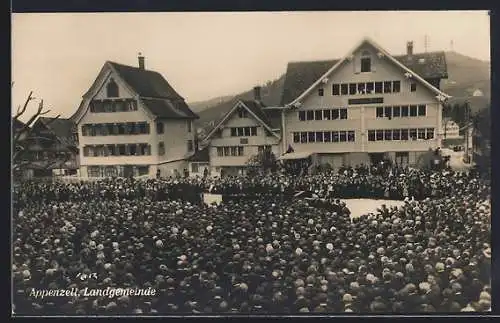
column 141, row 62
column 256, row 94
column 409, row 48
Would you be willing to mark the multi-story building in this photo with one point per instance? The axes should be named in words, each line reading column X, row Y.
column 241, row 134
column 50, row 147
column 131, row 122
column 365, row 107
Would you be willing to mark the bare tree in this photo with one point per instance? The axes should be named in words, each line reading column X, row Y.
column 24, row 135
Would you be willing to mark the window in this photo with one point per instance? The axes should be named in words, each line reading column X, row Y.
column 404, row 111
column 302, row 115
column 311, row 136
column 370, row 88
column 379, row 134
column 86, row 151
column 413, row 134
column 319, row 136
column 133, row 150
column 121, row 150
column 396, row 86
column 159, row 127
column 402, row 157
column 336, row 89
column 378, row 87
column 413, row 110
column 112, row 150
column 242, row 113
column 335, row 114
column 310, row 115
column 352, row 88
column 388, row 87
column 108, row 106
column 318, row 115
column 220, row 152
column 396, row 134
column 342, row 136
column 343, row 113
column 161, row 149
column 380, row 112
column 361, row 88
column 233, row 132
column 327, row 114
column 296, row 137
column 233, row 151
column 421, row 133
column 388, row 112
column 404, row 134
column 366, row 64
column 253, row 131
column 413, row 87
column 112, row 89
column 387, row 134
column 351, row 136
column 321, row 91
column 190, row 125
column 430, row 133
column 303, row 137
column 194, row 168
column 226, row 151
column 246, row 131
column 241, row 151
column 335, row 136
column 396, row 111
column 422, row 110
column 190, row 145
column 344, row 89
column 371, row 135
column 327, row 136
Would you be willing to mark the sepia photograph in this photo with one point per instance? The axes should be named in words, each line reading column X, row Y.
column 256, row 163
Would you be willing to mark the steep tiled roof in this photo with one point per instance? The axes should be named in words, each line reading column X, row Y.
column 301, row 75
column 156, row 93
column 169, row 108
column 256, row 108
column 62, row 128
column 146, row 83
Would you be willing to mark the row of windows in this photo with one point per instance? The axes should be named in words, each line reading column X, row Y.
column 367, row 88
column 326, row 114
column 323, row 136
column 113, row 129
column 398, row 111
column 160, row 127
column 112, row 171
column 243, row 131
column 117, row 150
column 230, row 151
column 401, row 134
column 113, row 106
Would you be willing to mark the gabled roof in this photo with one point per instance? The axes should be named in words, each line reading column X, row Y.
column 151, row 87
column 301, row 76
column 145, row 83
column 254, row 108
column 62, row 128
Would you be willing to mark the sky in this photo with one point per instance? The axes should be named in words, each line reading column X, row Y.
column 210, row 54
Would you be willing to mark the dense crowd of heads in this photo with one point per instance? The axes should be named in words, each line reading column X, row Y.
column 260, row 255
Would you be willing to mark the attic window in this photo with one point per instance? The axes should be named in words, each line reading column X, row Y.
column 366, row 62
column 112, row 89
column 242, row 113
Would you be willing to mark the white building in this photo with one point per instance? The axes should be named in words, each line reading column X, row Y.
column 131, row 122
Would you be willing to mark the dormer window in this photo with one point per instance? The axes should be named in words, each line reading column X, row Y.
column 112, row 89
column 366, row 62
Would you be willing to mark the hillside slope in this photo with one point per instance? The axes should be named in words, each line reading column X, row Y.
column 465, row 75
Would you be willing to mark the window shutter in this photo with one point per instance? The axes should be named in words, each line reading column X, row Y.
column 357, row 64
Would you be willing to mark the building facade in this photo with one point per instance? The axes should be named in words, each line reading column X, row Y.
column 241, row 134
column 131, row 122
column 365, row 107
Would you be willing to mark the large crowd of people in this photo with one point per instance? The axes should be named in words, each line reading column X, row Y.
column 277, row 254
